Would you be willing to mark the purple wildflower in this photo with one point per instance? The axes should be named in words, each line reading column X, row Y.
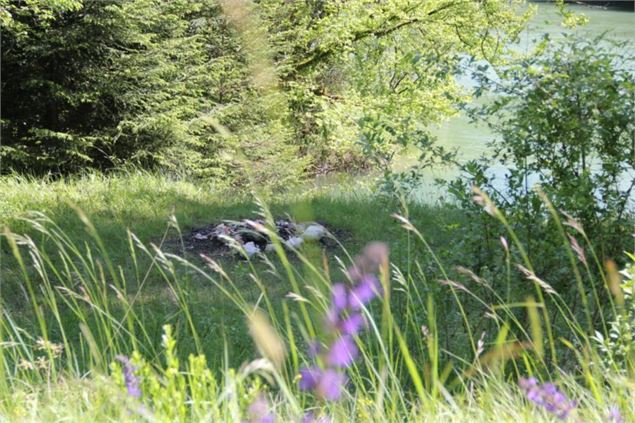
column 615, row 416
column 259, row 412
column 548, row 397
column 332, row 319
column 342, row 352
column 362, row 293
column 375, row 256
column 310, row 418
column 343, row 321
column 340, row 296
column 130, row 379
column 354, row 273
column 313, row 348
column 527, row 382
column 352, row 324
column 309, row 378
column 330, row 385
column 376, row 253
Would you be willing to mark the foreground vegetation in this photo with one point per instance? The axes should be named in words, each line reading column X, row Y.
column 439, row 343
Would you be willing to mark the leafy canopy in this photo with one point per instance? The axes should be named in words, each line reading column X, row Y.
column 103, row 84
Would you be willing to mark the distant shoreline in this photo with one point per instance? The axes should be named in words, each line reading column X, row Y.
column 626, row 5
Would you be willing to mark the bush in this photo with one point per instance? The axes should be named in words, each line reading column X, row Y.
column 563, row 119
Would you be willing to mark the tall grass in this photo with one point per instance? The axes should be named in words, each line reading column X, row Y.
column 433, row 349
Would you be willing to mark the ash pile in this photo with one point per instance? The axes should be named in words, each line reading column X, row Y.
column 243, row 237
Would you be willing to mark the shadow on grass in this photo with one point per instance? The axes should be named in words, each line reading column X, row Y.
column 144, row 205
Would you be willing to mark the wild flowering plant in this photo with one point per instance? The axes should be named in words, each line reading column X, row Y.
column 326, row 377
column 130, row 378
column 344, row 320
column 259, row 411
column 547, row 396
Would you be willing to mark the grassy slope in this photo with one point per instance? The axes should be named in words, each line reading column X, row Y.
column 143, row 204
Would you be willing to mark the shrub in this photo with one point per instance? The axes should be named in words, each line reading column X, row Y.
column 564, row 121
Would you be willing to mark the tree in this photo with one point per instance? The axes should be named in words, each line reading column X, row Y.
column 54, row 100
column 105, row 83
column 379, row 73
column 114, row 82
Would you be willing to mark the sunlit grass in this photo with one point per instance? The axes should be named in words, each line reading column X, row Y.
column 437, row 348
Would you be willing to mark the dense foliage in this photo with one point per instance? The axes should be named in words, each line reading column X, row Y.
column 178, row 85
column 565, row 122
column 563, row 119
column 112, row 82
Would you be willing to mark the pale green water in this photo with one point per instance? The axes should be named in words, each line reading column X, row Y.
column 471, row 140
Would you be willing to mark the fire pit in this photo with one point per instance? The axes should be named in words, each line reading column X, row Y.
column 242, row 237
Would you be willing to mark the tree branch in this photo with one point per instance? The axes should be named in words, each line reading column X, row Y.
column 320, row 53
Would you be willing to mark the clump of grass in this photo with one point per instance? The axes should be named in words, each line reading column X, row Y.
column 82, row 324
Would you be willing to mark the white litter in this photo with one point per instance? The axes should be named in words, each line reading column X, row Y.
column 251, row 248
column 222, row 229
column 200, row 236
column 294, row 242
column 314, row 232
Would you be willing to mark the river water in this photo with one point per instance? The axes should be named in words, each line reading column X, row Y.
column 471, row 140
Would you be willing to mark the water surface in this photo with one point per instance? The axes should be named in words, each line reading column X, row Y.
column 471, row 140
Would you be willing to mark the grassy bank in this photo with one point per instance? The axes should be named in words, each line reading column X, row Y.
column 158, row 211
column 79, row 289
